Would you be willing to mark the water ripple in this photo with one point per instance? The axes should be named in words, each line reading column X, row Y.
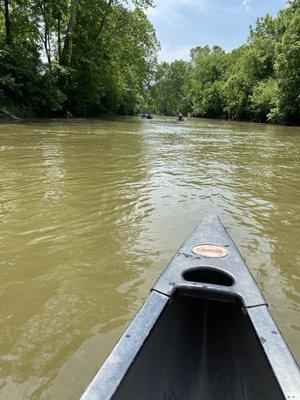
column 91, row 211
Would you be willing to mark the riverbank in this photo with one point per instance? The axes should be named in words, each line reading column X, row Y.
column 231, row 120
column 20, row 117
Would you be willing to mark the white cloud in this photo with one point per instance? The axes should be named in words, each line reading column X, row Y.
column 171, row 53
column 164, row 8
column 246, row 4
column 171, row 18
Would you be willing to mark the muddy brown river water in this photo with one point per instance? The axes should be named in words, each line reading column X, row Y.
column 92, row 210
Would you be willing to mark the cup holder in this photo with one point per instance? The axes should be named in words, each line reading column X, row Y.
column 210, row 275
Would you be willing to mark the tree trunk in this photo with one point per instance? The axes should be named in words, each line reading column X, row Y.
column 58, row 40
column 66, row 51
column 47, row 48
column 9, row 115
column 7, row 22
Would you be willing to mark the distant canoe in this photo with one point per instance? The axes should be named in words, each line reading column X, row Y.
column 204, row 332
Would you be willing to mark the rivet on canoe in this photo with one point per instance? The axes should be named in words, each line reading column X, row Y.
column 209, row 250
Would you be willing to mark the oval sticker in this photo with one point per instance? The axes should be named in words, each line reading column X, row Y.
column 210, row 250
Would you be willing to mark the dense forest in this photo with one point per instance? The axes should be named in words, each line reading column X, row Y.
column 93, row 57
column 260, row 81
column 80, row 57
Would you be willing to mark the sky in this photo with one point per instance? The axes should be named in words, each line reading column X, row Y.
column 183, row 24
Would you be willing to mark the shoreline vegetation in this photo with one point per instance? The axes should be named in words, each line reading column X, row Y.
column 83, row 58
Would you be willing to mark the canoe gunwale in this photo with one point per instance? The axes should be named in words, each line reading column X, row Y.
column 171, row 284
column 108, row 378
column 281, row 360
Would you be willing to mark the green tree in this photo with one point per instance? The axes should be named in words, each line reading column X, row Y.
column 287, row 67
column 209, row 67
column 260, row 81
column 170, row 88
column 84, row 56
column 263, row 100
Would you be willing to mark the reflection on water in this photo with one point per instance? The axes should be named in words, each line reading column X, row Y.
column 91, row 211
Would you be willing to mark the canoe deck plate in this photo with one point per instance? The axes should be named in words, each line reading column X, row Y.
column 210, row 250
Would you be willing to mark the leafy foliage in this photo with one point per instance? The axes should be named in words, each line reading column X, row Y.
column 170, row 88
column 81, row 56
column 260, row 81
column 99, row 56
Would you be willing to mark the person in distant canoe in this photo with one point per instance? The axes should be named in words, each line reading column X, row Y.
column 149, row 115
column 180, row 117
